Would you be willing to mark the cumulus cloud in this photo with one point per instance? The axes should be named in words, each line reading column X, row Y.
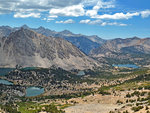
column 88, row 21
column 112, row 24
column 79, row 10
column 95, row 22
column 53, row 16
column 26, row 15
column 69, row 21
column 117, row 16
column 91, row 13
column 100, row 5
column 75, row 10
column 16, row 6
column 85, row 21
column 101, row 23
column 145, row 13
column 51, row 9
column 68, row 7
column 59, row 22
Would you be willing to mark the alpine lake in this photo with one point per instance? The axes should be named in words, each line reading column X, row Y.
column 30, row 91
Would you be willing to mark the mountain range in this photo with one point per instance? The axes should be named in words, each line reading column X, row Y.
column 115, row 51
column 131, row 50
column 83, row 42
column 28, row 48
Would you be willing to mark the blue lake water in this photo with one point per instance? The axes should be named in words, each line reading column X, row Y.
column 81, row 73
column 4, row 71
column 34, row 91
column 5, row 82
column 126, row 65
column 28, row 68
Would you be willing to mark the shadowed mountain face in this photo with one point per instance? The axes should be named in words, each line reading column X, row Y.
column 5, row 30
column 84, row 43
column 30, row 49
column 80, row 41
column 125, row 49
column 128, row 45
column 130, row 50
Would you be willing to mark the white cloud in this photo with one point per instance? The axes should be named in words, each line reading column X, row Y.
column 100, row 5
column 58, row 22
column 117, row 16
column 75, row 10
column 56, row 8
column 95, row 22
column 89, row 2
column 112, row 24
column 49, row 19
column 69, row 21
column 102, row 23
column 145, row 13
column 14, row 5
column 88, row 21
column 33, row 6
column 26, row 15
column 121, row 24
column 52, row 16
column 44, row 19
column 85, row 21
column 91, row 13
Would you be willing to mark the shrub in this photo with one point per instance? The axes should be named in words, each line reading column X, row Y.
column 128, row 95
column 119, row 102
column 135, row 109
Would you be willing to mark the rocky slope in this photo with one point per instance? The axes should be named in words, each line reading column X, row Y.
column 83, row 42
column 5, row 30
column 30, row 49
column 130, row 49
column 129, row 45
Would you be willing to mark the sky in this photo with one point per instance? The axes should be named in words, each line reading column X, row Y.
column 106, row 18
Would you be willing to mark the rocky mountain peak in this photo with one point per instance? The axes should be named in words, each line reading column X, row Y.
column 135, row 37
column 31, row 49
column 41, row 28
column 25, row 26
column 23, row 33
column 66, row 32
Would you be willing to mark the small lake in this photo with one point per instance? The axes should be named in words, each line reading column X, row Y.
column 5, row 82
column 4, row 71
column 34, row 91
column 81, row 73
column 126, row 65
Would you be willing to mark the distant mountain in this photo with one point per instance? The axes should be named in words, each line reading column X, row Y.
column 27, row 48
column 133, row 50
column 83, row 42
column 5, row 30
column 97, row 39
column 45, row 31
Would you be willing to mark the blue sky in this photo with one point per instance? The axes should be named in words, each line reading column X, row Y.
column 106, row 18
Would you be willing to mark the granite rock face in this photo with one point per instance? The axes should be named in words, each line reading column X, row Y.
column 30, row 49
column 83, row 42
column 128, row 46
column 124, row 51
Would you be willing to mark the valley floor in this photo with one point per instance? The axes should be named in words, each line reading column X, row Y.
column 91, row 108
